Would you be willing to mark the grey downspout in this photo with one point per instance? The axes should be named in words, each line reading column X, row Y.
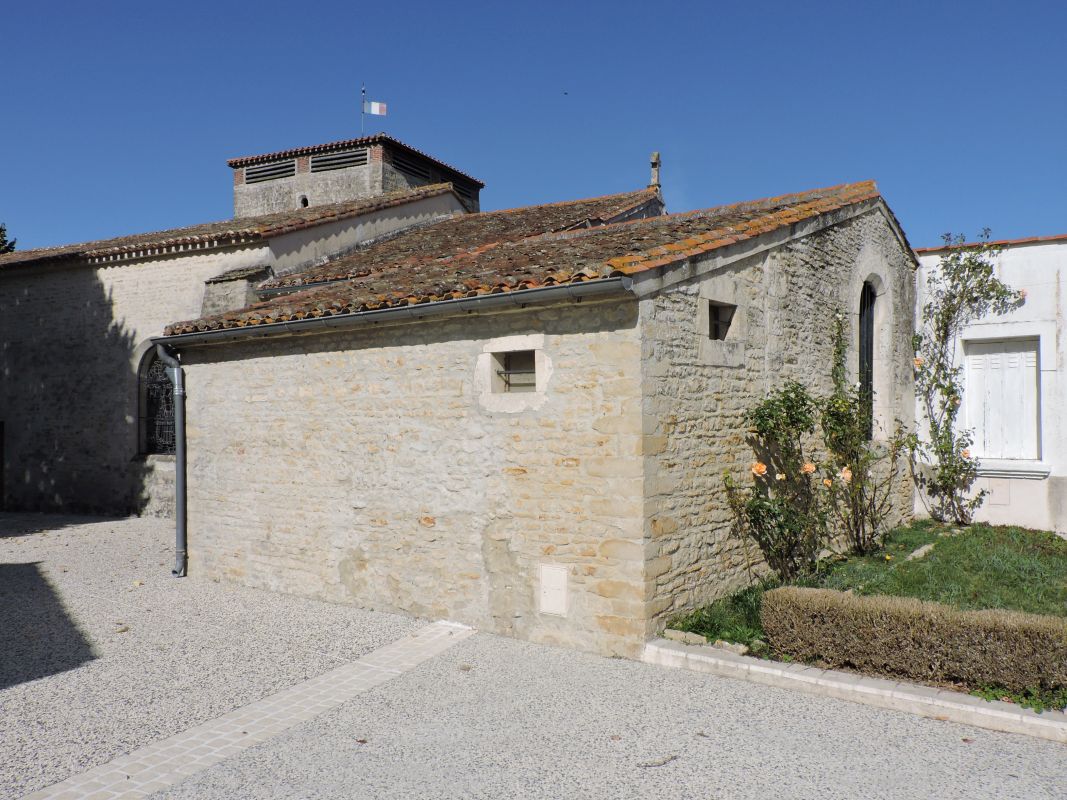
column 174, row 372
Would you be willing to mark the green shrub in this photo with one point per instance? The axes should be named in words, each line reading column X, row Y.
column 782, row 511
column 906, row 638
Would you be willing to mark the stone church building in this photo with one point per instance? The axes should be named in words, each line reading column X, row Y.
column 515, row 419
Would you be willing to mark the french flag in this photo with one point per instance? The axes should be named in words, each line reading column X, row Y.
column 374, row 108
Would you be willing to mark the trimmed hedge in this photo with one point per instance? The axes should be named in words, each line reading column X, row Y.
column 902, row 637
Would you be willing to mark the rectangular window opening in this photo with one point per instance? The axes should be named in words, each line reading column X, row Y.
column 720, row 315
column 269, row 172
column 1003, row 398
column 515, row 371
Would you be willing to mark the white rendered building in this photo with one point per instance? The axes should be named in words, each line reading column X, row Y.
column 1014, row 394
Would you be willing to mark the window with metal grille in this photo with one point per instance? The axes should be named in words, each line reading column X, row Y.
column 866, row 353
column 720, row 315
column 270, row 172
column 157, row 409
column 349, row 158
column 515, row 372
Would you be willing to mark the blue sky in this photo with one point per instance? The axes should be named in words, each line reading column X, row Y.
column 118, row 117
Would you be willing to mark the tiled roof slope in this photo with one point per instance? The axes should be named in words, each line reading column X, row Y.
column 471, row 233
column 438, row 263
column 346, row 144
column 221, row 234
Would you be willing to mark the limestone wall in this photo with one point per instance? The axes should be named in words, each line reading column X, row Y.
column 697, row 390
column 377, row 467
column 72, row 341
column 72, row 338
column 318, row 188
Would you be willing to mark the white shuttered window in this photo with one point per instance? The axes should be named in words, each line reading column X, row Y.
column 1001, row 398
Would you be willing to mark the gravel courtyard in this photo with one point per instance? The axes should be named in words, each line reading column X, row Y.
column 498, row 718
column 102, row 651
column 129, row 655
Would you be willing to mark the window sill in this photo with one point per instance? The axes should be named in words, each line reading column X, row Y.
column 512, row 402
column 1013, row 468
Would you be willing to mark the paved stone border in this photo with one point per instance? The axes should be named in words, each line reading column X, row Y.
column 174, row 759
column 925, row 701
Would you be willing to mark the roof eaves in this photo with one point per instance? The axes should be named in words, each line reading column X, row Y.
column 216, row 240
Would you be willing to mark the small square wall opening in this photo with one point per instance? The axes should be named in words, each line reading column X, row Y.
column 514, row 371
column 720, row 315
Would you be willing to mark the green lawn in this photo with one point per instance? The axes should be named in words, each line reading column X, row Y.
column 978, row 567
column 974, row 568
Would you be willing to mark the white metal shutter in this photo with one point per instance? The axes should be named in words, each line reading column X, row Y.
column 1002, row 398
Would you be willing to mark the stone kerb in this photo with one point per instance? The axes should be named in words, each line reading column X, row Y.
column 925, row 701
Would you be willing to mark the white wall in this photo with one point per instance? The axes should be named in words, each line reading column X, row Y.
column 1029, row 492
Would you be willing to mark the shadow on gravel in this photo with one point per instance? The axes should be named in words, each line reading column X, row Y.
column 16, row 523
column 37, row 637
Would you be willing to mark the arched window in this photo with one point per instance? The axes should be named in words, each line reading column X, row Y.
column 866, row 354
column 157, row 408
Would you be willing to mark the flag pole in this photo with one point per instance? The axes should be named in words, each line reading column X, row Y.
column 362, row 106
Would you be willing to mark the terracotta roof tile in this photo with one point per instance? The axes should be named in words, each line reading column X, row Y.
column 221, row 234
column 464, row 237
column 525, row 248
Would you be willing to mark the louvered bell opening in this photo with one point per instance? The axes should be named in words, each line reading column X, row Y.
column 416, row 168
column 349, row 158
column 463, row 189
column 269, row 172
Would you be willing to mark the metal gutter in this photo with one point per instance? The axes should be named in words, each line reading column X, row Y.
column 569, row 291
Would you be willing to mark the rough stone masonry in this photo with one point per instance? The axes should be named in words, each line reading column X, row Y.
column 377, row 467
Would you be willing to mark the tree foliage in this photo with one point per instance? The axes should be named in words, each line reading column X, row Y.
column 961, row 289
column 6, row 245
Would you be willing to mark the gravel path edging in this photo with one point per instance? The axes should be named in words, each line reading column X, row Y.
column 924, row 701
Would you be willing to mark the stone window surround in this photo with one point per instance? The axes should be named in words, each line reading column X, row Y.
column 141, row 358
column 517, row 402
column 729, row 352
column 882, row 367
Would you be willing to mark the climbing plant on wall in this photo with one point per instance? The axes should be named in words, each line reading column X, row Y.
column 800, row 501
column 783, row 510
column 962, row 288
column 863, row 470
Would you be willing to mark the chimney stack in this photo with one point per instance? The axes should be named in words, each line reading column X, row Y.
column 655, row 171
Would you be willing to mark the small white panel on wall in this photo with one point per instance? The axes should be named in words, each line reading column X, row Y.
column 553, row 592
column 999, row 492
